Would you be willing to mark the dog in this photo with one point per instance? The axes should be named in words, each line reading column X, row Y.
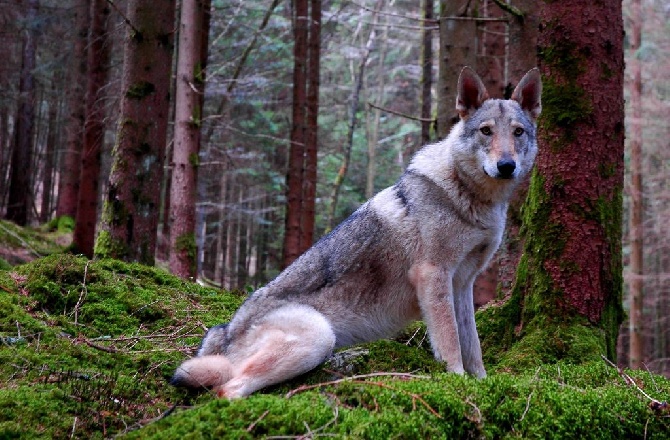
column 411, row 252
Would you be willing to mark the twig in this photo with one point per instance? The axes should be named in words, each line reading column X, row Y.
column 654, row 404
column 406, row 116
column 509, row 8
column 125, row 19
column 23, row 242
column 74, row 426
column 357, row 379
column 353, row 379
column 525, row 411
column 82, row 295
column 99, row 347
column 253, row 425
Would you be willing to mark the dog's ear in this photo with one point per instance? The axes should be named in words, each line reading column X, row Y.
column 471, row 92
column 528, row 93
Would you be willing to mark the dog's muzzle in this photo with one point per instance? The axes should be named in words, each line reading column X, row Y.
column 506, row 168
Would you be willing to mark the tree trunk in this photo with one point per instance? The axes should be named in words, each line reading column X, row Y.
column 296, row 161
column 308, row 210
column 427, row 70
column 566, row 302
column 70, row 160
column 94, row 128
column 636, row 231
column 20, row 192
column 522, row 48
column 49, row 159
column 186, row 141
column 457, row 49
column 130, row 215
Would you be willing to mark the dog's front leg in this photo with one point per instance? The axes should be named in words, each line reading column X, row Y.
column 434, row 288
column 467, row 329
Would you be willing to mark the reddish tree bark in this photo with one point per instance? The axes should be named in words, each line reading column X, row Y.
column 20, row 189
column 189, row 87
column 68, row 186
column 427, row 70
column 296, row 161
column 567, row 300
column 457, row 49
column 130, row 215
column 311, row 128
column 94, row 129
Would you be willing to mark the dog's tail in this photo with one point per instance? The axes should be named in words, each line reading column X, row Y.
column 203, row 372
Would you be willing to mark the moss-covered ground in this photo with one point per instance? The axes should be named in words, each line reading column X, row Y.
column 87, row 348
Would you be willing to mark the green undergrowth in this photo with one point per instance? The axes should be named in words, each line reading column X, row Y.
column 558, row 401
column 87, row 348
column 20, row 244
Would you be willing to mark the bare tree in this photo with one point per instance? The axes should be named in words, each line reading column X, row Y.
column 129, row 220
column 296, row 160
column 301, row 174
column 20, row 194
column 636, row 269
column 188, row 119
column 70, row 161
column 94, row 127
column 457, row 49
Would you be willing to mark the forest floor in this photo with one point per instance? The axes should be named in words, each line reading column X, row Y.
column 87, row 348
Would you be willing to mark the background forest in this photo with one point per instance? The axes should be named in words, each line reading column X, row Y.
column 379, row 99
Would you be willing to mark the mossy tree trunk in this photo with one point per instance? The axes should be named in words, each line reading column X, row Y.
column 130, row 214
column 566, row 301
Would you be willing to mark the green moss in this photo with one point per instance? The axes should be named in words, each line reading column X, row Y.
column 4, row 265
column 107, row 247
column 87, row 347
column 610, row 217
column 560, row 401
column 564, row 101
column 140, row 90
column 95, row 341
column 194, row 160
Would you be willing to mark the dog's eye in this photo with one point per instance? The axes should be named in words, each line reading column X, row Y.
column 518, row 131
column 486, row 131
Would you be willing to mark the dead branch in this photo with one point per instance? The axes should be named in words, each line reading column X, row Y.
column 358, row 379
column 402, row 115
column 255, row 422
column 654, row 404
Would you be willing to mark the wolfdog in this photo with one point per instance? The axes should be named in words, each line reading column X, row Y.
column 411, row 252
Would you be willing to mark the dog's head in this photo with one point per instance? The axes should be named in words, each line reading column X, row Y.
column 501, row 133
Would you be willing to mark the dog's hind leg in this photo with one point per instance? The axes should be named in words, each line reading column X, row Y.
column 203, row 372
column 286, row 343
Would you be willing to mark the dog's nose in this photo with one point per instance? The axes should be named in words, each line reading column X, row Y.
column 506, row 168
